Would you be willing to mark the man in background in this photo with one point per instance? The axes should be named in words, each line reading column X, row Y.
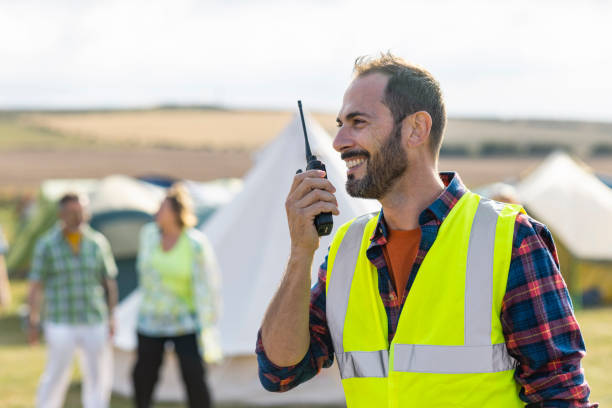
column 5, row 288
column 73, row 270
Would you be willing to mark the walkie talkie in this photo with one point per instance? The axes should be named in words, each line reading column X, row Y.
column 323, row 222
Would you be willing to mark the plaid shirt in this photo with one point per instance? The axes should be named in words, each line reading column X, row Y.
column 538, row 322
column 73, row 283
column 3, row 244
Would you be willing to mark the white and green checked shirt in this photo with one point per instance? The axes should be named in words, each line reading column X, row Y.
column 3, row 244
column 164, row 313
column 73, row 283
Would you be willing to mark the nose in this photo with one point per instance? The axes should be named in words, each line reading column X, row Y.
column 343, row 140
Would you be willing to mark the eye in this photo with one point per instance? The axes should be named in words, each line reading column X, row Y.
column 358, row 122
column 338, row 124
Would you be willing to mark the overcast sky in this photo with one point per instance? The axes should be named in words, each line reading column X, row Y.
column 550, row 59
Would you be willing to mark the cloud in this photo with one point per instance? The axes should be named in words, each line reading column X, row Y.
column 514, row 58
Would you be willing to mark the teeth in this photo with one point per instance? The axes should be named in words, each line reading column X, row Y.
column 352, row 163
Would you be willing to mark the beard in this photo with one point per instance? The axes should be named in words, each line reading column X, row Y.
column 383, row 168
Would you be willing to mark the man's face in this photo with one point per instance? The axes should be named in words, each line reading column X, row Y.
column 71, row 214
column 368, row 139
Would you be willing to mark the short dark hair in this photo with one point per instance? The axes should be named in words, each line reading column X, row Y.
column 409, row 89
column 68, row 198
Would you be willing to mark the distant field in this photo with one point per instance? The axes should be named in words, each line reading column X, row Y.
column 23, row 171
column 208, row 144
column 528, row 137
column 246, row 130
column 192, row 129
column 18, row 135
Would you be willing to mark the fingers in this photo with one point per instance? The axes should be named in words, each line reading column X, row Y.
column 320, row 207
column 311, row 194
column 315, row 196
column 308, row 214
column 300, row 176
column 304, row 183
column 309, row 188
column 33, row 336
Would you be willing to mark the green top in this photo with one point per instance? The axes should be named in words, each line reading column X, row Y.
column 73, row 283
column 175, row 268
column 180, row 287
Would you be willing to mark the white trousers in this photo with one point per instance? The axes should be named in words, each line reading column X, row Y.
column 94, row 346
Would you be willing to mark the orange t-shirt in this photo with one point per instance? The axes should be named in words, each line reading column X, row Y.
column 400, row 252
column 74, row 240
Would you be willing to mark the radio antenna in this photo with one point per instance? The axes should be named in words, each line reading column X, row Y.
column 309, row 155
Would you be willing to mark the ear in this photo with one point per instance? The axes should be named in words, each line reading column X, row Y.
column 417, row 126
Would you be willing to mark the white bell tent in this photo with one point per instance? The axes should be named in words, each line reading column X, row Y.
column 577, row 207
column 558, row 192
column 250, row 236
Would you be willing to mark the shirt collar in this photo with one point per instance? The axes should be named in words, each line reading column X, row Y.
column 437, row 211
column 58, row 232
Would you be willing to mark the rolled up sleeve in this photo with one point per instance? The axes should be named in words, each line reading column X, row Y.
column 320, row 352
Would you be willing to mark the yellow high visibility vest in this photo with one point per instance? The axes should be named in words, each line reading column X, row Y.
column 449, row 348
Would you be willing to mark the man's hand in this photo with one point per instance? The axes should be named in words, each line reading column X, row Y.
column 33, row 334
column 34, row 300
column 284, row 332
column 311, row 194
column 112, row 294
column 111, row 327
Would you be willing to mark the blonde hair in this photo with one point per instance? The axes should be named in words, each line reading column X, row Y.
column 182, row 205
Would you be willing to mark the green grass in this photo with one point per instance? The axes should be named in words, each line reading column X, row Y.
column 8, row 218
column 596, row 328
column 21, row 365
column 17, row 135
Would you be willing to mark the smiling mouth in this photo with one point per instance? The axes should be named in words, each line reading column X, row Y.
column 350, row 164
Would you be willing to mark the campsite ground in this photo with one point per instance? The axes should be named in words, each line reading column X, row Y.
column 21, row 365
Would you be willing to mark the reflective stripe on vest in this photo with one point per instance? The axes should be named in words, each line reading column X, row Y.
column 360, row 363
column 477, row 355
column 340, row 286
column 363, row 363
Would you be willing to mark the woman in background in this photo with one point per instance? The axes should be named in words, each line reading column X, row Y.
column 178, row 280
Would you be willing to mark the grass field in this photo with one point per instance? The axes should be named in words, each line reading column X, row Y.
column 21, row 365
column 15, row 134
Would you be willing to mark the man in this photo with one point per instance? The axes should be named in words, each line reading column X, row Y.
column 74, row 269
column 5, row 287
column 444, row 298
